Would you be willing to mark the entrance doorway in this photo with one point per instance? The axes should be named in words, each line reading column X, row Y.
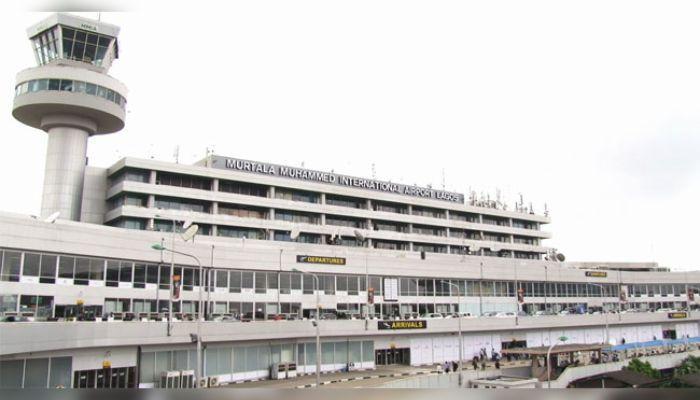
column 392, row 356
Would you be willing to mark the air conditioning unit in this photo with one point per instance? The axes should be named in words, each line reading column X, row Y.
column 203, row 382
column 213, row 381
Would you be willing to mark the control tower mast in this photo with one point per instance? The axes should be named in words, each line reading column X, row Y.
column 70, row 96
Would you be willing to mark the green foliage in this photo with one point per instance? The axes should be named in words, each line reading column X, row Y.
column 690, row 365
column 645, row 368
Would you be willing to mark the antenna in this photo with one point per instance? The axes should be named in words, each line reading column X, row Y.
column 443, row 179
column 374, row 171
column 176, row 154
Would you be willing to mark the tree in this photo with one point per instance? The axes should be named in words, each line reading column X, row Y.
column 643, row 367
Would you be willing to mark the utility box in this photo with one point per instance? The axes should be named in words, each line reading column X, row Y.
column 187, row 379
column 291, row 370
column 170, row 380
column 278, row 371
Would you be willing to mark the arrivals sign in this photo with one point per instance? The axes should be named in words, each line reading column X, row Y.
column 333, row 179
column 321, row 260
column 597, row 274
column 678, row 315
column 400, row 325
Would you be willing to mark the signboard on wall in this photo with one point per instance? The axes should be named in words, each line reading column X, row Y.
column 678, row 315
column 597, row 274
column 403, row 324
column 321, row 260
column 332, row 178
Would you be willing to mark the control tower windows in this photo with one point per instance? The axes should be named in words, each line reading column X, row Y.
column 84, row 46
column 46, row 46
column 69, row 85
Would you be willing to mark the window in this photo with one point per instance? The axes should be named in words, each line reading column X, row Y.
column 247, row 279
column 297, row 217
column 240, row 232
column 170, row 203
column 345, row 221
column 248, row 189
column 234, row 281
column 390, row 207
column 242, row 211
column 10, row 266
column 260, row 282
column 342, row 201
column 31, row 264
column 181, row 180
column 427, row 212
column 297, row 195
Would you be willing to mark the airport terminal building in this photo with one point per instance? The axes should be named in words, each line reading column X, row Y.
column 390, row 268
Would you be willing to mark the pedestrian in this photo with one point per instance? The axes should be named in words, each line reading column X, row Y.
column 483, row 365
column 446, row 367
column 498, row 364
column 475, row 363
column 454, row 366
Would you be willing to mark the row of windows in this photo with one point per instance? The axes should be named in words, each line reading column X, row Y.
column 48, row 268
column 249, row 189
column 653, row 289
column 69, row 85
column 84, row 46
column 227, row 359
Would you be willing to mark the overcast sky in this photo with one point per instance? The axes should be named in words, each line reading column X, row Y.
column 591, row 107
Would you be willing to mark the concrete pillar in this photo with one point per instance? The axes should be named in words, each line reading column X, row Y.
column 323, row 198
column 153, row 177
column 215, row 185
column 271, row 192
column 215, row 230
column 64, row 171
column 215, row 207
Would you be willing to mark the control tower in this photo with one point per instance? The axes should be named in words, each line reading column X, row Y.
column 70, row 96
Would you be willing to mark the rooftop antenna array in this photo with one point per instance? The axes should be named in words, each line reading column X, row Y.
column 176, row 154
column 374, row 171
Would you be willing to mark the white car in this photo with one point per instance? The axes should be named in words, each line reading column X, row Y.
column 505, row 315
column 433, row 315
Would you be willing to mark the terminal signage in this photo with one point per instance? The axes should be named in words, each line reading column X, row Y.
column 678, row 315
column 400, row 325
column 321, row 260
column 333, row 179
column 597, row 274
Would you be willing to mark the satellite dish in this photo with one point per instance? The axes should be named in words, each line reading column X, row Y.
column 53, row 217
column 187, row 223
column 359, row 236
column 294, row 234
column 190, row 232
column 560, row 257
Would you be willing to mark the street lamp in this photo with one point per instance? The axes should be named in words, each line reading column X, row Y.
column 607, row 327
column 316, row 324
column 459, row 328
column 549, row 364
column 198, row 370
column 191, row 230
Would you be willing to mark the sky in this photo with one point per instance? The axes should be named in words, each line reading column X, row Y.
column 590, row 107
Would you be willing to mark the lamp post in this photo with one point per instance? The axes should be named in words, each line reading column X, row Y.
column 607, row 327
column 549, row 364
column 198, row 370
column 316, row 323
column 459, row 328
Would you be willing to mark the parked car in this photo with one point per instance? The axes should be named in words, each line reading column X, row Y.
column 505, row 315
column 433, row 315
